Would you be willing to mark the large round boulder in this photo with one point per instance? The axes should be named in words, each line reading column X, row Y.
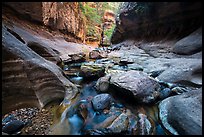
column 190, row 44
column 182, row 114
column 136, row 84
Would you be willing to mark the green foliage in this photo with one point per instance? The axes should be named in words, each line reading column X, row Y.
column 92, row 19
column 109, row 32
column 93, row 13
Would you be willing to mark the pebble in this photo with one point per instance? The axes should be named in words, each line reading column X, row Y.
column 37, row 122
column 105, row 111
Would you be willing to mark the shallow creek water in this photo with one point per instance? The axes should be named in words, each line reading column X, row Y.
column 70, row 122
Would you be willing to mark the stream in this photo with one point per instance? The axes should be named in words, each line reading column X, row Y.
column 82, row 119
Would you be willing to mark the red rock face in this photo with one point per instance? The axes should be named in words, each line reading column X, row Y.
column 63, row 16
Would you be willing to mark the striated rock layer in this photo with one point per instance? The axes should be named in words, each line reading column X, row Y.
column 28, row 79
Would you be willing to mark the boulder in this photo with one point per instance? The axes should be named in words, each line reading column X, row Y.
column 13, row 127
column 102, row 83
column 120, row 124
column 97, row 54
column 101, row 101
column 190, row 44
column 184, row 71
column 137, row 85
column 182, row 114
column 92, row 70
column 79, row 57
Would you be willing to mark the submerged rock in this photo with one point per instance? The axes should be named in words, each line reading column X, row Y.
column 120, row 124
column 136, row 84
column 83, row 110
column 144, row 125
column 182, row 114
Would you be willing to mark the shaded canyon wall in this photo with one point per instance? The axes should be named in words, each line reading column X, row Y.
column 156, row 20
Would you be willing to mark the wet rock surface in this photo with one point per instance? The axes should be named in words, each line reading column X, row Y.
column 101, row 101
column 136, row 84
column 28, row 121
column 92, row 70
column 13, row 127
column 181, row 114
column 120, row 124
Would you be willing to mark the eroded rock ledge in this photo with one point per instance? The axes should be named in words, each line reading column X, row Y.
column 28, row 79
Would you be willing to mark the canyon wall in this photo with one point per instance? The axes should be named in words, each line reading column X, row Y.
column 152, row 20
column 63, row 16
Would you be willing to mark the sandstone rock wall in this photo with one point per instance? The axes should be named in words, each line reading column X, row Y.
column 150, row 20
column 63, row 16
